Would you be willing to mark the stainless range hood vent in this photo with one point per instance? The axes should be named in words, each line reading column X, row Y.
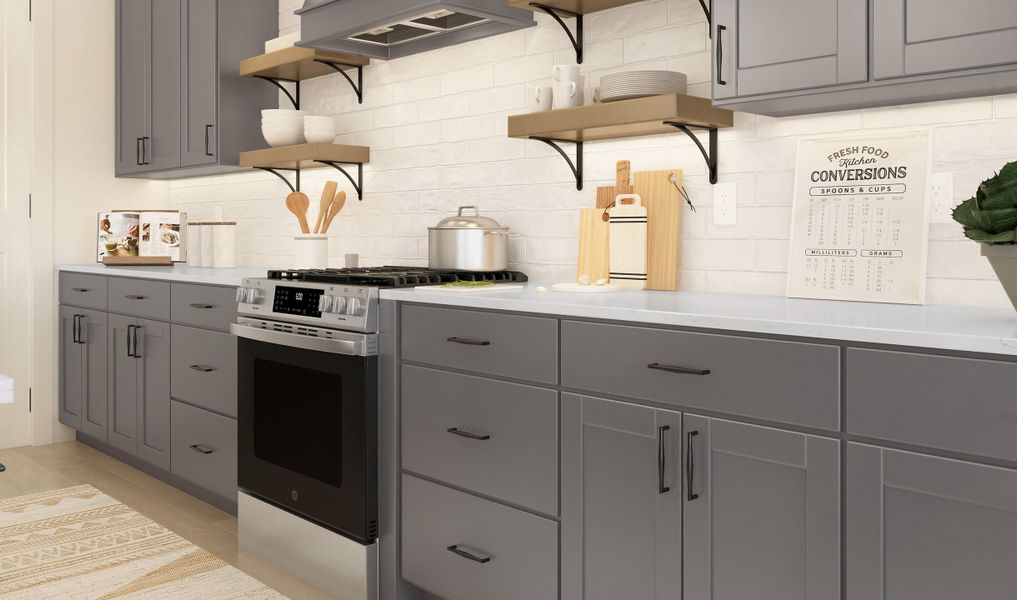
column 393, row 28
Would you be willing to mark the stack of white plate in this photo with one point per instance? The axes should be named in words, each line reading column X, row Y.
column 639, row 84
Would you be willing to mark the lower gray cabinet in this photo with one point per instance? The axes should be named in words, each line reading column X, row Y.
column 83, row 398
column 139, row 375
column 621, row 501
column 205, row 449
column 926, row 527
column 762, row 513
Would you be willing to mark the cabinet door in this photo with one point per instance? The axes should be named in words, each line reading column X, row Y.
column 123, row 384
column 933, row 36
column 621, row 520
column 762, row 512
column 71, row 377
column 95, row 401
column 162, row 149
column 925, row 527
column 153, row 359
column 133, row 51
column 201, row 75
column 764, row 46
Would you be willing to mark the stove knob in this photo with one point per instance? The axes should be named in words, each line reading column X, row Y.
column 353, row 306
column 252, row 295
column 324, row 303
column 339, row 305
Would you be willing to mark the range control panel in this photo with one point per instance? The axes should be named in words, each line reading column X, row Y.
column 347, row 307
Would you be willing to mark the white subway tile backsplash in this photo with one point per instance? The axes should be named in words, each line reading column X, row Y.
column 436, row 125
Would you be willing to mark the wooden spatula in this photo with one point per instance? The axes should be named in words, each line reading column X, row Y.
column 327, row 195
column 298, row 203
column 337, row 205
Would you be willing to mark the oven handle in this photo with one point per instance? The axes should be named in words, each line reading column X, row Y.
column 357, row 345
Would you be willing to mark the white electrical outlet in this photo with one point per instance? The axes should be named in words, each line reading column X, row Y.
column 725, row 204
column 941, row 198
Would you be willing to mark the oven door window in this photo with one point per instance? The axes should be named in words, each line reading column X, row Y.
column 298, row 420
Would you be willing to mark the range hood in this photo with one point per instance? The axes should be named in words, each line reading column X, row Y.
column 393, row 28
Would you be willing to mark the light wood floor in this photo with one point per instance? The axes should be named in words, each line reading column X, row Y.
column 42, row 468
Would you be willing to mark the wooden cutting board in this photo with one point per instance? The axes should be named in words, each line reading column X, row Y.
column 628, row 242
column 622, row 185
column 663, row 204
column 594, row 245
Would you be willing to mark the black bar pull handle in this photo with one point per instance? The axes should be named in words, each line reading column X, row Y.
column 137, row 353
column 661, row 459
column 720, row 55
column 207, row 130
column 454, row 549
column 130, row 340
column 201, row 449
column 79, row 290
column 134, row 297
column 468, row 434
column 144, row 150
column 137, row 152
column 76, row 330
column 690, row 466
column 203, row 306
column 202, row 368
column 677, row 369
column 468, row 342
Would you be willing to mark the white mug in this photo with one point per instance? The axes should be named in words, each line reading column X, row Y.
column 566, row 72
column 539, row 98
column 567, row 94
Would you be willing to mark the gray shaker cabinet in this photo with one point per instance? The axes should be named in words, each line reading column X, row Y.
column 123, row 385
column 162, row 150
column 621, row 501
column 200, row 82
column 783, row 45
column 133, row 63
column 926, row 527
column 761, row 512
column 83, row 399
column 935, row 36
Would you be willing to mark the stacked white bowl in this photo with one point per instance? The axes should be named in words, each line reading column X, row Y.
column 319, row 130
column 283, row 127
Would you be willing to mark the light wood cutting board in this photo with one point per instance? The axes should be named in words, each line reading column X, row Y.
column 622, row 185
column 663, row 204
column 594, row 245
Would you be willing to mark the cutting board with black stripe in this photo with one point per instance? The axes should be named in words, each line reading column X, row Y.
column 628, row 242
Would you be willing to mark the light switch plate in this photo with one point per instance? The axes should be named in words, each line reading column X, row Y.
column 725, row 204
column 941, row 198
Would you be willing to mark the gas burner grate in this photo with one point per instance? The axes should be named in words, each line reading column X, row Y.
column 394, row 276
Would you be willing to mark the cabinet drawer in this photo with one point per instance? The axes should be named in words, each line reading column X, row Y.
column 204, row 369
column 959, row 404
column 520, row 549
column 86, row 291
column 204, row 449
column 508, row 345
column 203, row 305
column 515, row 460
column 149, row 299
column 789, row 382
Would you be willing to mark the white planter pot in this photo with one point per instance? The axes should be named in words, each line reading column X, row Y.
column 1003, row 258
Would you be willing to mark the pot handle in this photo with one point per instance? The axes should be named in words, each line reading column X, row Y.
column 476, row 211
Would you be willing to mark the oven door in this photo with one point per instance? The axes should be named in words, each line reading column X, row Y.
column 308, row 422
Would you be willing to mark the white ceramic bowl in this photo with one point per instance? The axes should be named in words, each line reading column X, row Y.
column 319, row 137
column 323, row 121
column 282, row 135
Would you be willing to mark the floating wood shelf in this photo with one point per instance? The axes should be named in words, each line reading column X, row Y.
column 626, row 118
column 308, row 156
column 564, row 9
column 296, row 64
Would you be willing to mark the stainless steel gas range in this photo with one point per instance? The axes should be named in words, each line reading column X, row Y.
column 308, row 419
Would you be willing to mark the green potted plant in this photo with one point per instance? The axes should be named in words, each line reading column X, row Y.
column 990, row 218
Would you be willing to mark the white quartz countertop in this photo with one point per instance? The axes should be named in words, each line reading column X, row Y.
column 969, row 329
column 177, row 273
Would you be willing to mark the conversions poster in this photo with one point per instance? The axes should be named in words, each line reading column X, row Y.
column 859, row 228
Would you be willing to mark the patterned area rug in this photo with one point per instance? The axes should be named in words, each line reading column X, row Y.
column 79, row 543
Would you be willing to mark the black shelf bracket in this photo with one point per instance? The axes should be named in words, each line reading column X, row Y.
column 708, row 11
column 277, row 82
column 358, row 184
column 577, row 39
column 711, row 155
column 340, row 68
column 275, row 171
column 577, row 167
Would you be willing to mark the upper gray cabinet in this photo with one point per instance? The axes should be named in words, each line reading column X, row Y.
column 788, row 57
column 764, row 46
column 916, row 37
column 182, row 108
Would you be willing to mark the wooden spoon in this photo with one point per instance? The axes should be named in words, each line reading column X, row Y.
column 327, row 195
column 337, row 205
column 298, row 203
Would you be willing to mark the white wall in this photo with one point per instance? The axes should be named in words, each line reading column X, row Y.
column 73, row 165
column 436, row 126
